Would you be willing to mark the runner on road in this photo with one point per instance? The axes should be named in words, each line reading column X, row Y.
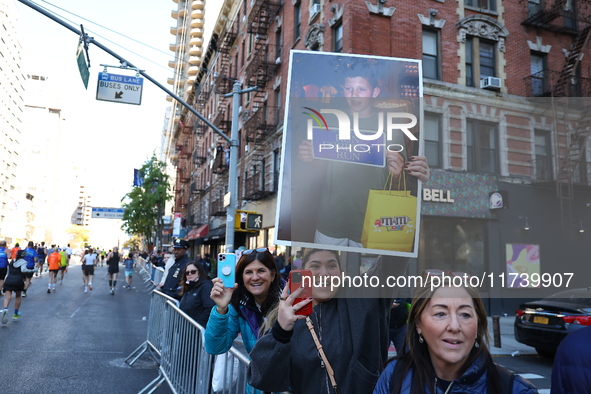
column 113, row 263
column 41, row 255
column 129, row 265
column 15, row 250
column 4, row 256
column 88, row 269
column 14, row 283
column 30, row 256
column 65, row 258
column 53, row 260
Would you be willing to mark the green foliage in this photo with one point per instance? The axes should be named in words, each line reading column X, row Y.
column 144, row 205
column 80, row 235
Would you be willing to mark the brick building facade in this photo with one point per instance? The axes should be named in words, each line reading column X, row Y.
column 506, row 86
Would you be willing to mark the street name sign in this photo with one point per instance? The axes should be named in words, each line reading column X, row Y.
column 107, row 213
column 125, row 89
column 82, row 66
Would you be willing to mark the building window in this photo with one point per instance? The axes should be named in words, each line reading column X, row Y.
column 297, row 20
column 538, row 77
column 278, row 43
column 543, row 161
column 337, row 40
column 490, row 5
column 453, row 245
column 431, row 58
column 480, row 60
column 432, row 130
column 482, row 147
column 533, row 7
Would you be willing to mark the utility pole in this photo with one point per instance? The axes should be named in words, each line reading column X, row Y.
column 232, row 181
column 234, row 143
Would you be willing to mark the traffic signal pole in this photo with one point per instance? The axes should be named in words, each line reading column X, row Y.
column 234, row 143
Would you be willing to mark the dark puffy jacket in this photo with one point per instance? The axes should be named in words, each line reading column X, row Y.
column 572, row 365
column 473, row 381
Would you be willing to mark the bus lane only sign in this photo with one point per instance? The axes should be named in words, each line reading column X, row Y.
column 119, row 88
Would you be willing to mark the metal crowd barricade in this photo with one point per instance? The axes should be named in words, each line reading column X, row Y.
column 157, row 323
column 157, row 273
column 233, row 376
column 184, row 363
column 144, row 271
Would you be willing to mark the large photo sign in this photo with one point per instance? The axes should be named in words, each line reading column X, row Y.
column 352, row 124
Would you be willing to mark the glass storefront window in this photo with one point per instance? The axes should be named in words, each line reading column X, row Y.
column 452, row 245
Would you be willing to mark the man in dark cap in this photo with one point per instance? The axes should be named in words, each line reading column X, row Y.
column 170, row 281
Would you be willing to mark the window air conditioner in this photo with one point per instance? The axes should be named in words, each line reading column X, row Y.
column 491, row 83
column 314, row 10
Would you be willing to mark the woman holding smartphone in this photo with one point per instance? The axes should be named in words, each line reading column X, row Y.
column 243, row 308
column 343, row 346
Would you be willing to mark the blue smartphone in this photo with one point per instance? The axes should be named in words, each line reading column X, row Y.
column 227, row 268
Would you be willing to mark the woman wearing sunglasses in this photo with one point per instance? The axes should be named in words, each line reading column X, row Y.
column 195, row 290
column 243, row 308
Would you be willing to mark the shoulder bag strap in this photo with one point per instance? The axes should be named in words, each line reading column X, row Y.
column 329, row 369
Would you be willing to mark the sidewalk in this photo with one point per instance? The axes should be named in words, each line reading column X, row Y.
column 509, row 346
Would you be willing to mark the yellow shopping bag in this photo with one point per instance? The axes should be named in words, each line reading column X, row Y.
column 390, row 219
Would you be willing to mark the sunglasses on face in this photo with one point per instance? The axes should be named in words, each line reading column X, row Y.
column 191, row 272
column 259, row 250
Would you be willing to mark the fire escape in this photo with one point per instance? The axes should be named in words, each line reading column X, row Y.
column 569, row 94
column 261, row 120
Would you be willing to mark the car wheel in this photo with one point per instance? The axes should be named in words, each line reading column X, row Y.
column 545, row 352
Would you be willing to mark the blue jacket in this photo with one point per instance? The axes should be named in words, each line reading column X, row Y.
column 572, row 365
column 30, row 256
column 4, row 257
column 221, row 331
column 473, row 381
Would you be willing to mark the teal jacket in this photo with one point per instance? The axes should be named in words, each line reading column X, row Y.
column 222, row 330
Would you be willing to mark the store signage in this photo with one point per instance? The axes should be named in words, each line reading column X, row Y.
column 436, row 195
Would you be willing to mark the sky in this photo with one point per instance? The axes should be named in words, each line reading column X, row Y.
column 110, row 139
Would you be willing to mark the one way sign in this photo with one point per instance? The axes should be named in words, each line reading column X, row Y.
column 119, row 88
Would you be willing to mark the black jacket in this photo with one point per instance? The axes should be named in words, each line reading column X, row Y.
column 196, row 301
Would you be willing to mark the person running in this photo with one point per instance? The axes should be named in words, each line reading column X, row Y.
column 14, row 283
column 53, row 260
column 64, row 260
column 88, row 269
column 113, row 263
column 41, row 255
column 30, row 256
column 4, row 255
column 129, row 266
column 15, row 250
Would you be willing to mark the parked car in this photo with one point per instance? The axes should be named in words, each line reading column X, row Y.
column 543, row 324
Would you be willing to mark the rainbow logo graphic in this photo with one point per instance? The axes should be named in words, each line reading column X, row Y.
column 317, row 117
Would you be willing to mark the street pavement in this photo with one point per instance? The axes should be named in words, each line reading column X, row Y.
column 75, row 342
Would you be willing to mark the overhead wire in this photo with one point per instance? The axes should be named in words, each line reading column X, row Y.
column 113, row 31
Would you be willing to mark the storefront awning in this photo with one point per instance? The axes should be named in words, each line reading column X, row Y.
column 198, row 232
column 217, row 233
